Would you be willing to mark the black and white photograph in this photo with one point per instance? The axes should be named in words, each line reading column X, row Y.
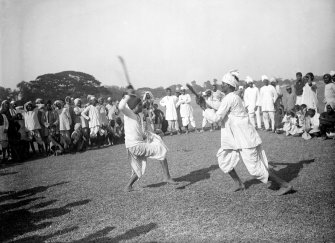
column 167, row 121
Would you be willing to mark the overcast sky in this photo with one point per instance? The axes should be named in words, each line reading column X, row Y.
column 165, row 42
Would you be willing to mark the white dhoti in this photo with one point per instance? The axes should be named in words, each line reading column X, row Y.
column 266, row 115
column 188, row 120
column 255, row 161
column 153, row 148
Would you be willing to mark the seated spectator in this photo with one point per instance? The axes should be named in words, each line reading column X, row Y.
column 78, row 139
column 56, row 141
column 327, row 121
column 312, row 123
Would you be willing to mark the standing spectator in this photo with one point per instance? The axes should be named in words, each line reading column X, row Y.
column 179, row 121
column 159, row 117
column 4, row 135
column 65, row 122
column 290, row 99
column 170, row 101
column 268, row 96
column 92, row 114
column 329, row 89
column 69, row 106
column 332, row 74
column 251, row 102
column 299, row 85
column 79, row 119
column 309, row 95
column 186, row 110
column 274, row 83
column 112, row 110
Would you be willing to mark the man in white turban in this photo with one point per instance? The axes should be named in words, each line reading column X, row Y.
column 268, row 97
column 186, row 110
column 251, row 102
column 240, row 140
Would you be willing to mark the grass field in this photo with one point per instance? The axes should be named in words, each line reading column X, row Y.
column 80, row 198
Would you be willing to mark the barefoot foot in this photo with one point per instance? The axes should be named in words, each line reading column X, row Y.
column 237, row 187
column 284, row 190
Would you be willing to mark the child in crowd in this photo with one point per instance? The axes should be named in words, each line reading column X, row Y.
column 279, row 116
column 149, row 116
column 119, row 131
column 24, row 141
column 314, row 123
column 56, row 141
column 139, row 149
column 159, row 118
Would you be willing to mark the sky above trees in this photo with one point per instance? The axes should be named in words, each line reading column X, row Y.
column 165, row 42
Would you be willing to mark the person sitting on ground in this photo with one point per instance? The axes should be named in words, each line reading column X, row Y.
column 56, row 141
column 327, row 121
column 314, row 123
column 287, row 122
column 78, row 139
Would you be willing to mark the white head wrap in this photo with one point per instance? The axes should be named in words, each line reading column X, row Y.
column 264, row 77
column 182, row 88
column 332, row 73
column 109, row 99
column 38, row 100
column 273, row 80
column 76, row 101
column 92, row 98
column 150, row 94
column 249, row 80
column 178, row 89
column 240, row 87
column 231, row 78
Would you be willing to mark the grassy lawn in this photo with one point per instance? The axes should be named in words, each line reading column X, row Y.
column 79, row 198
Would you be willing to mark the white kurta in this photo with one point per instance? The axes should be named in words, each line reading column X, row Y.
column 170, row 104
column 103, row 115
column 236, row 130
column 186, row 109
column 268, row 96
column 309, row 97
column 251, row 99
column 93, row 116
column 239, row 139
column 329, row 93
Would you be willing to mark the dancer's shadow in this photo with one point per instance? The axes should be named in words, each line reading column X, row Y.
column 288, row 173
column 191, row 178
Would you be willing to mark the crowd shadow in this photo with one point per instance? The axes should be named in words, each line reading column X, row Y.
column 4, row 173
column 12, row 195
column 288, row 173
column 101, row 235
column 19, row 216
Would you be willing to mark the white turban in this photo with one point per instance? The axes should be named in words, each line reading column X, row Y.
column 273, row 80
column 109, row 98
column 264, row 77
column 145, row 95
column 248, row 79
column 92, row 98
column 76, row 101
column 231, row 78
column 240, row 87
column 332, row 73
column 182, row 88
column 177, row 89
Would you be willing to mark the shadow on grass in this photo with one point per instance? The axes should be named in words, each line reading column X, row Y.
column 100, row 236
column 10, row 195
column 16, row 221
column 288, row 173
column 8, row 173
column 192, row 177
column 196, row 176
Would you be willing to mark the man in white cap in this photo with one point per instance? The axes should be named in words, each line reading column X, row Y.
column 170, row 103
column 251, row 102
column 186, row 110
column 239, row 139
column 268, row 97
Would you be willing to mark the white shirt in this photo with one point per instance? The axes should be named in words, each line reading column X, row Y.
column 236, row 130
column 268, row 96
column 186, row 109
column 112, row 111
column 170, row 103
column 309, row 97
column 132, row 124
column 329, row 92
column 31, row 119
column 93, row 115
column 251, row 98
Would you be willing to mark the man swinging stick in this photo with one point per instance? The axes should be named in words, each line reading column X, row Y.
column 239, row 139
column 140, row 144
